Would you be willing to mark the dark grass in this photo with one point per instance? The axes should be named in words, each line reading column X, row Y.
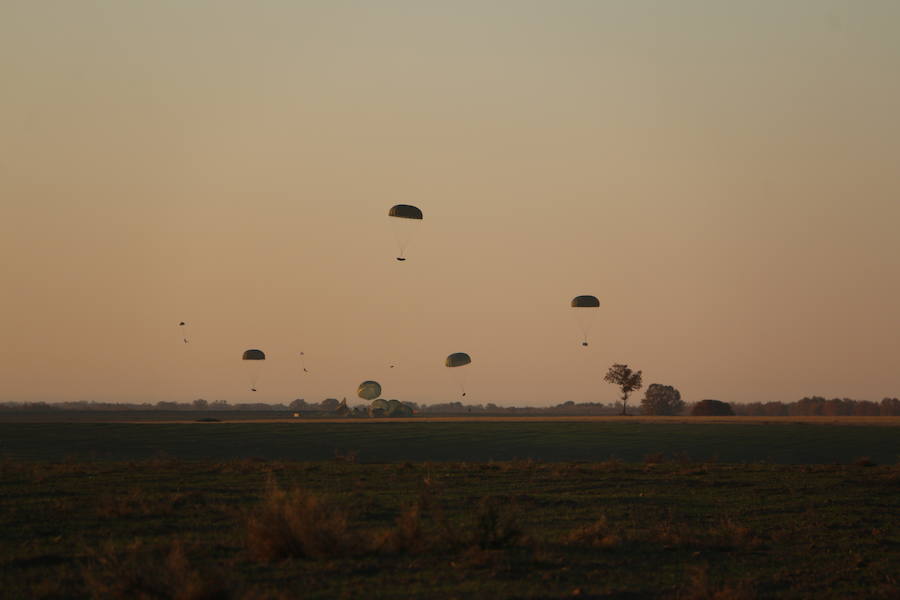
column 523, row 529
column 789, row 443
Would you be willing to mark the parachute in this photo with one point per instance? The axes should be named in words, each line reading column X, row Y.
column 398, row 409
column 584, row 314
column 303, row 363
column 184, row 332
column 405, row 220
column 369, row 390
column 458, row 359
column 254, row 366
column 343, row 410
column 454, row 361
column 379, row 408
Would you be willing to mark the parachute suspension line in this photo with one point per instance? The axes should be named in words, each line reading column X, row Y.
column 457, row 363
column 253, row 360
column 405, row 220
column 585, row 308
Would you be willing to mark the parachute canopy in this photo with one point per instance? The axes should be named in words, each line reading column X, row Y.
column 405, row 211
column 181, row 324
column 369, row 390
column 458, row 359
column 585, row 302
column 254, row 354
column 405, row 220
column 398, row 409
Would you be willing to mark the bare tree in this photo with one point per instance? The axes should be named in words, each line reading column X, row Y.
column 627, row 380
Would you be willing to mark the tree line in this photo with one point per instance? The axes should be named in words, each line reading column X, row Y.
column 658, row 399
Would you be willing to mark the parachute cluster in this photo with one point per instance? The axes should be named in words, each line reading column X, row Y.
column 405, row 220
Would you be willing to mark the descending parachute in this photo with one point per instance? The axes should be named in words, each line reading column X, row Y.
column 455, row 361
column 369, row 390
column 303, row 363
column 405, row 220
column 252, row 358
column 585, row 313
column 184, row 332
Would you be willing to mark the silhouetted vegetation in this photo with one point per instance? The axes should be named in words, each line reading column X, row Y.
column 809, row 406
column 661, row 400
column 712, row 408
column 819, row 406
column 628, row 381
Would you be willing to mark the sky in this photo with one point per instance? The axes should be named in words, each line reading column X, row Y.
column 723, row 176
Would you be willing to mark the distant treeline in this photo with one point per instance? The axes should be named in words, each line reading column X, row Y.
column 809, row 406
column 325, row 406
column 819, row 406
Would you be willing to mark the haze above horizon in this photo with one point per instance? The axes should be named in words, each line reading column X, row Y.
column 723, row 176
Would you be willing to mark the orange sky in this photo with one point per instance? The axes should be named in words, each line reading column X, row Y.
column 724, row 176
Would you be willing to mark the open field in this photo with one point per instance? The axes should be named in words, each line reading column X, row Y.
column 246, row 416
column 523, row 529
column 630, row 440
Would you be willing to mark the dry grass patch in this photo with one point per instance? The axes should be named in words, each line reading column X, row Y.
column 723, row 535
column 299, row 524
column 699, row 587
column 138, row 572
column 599, row 534
column 137, row 502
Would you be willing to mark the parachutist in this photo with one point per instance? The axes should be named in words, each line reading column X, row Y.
column 185, row 340
column 464, row 393
column 305, row 371
column 584, row 343
column 252, row 389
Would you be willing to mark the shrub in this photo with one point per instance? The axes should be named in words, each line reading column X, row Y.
column 299, row 524
column 141, row 572
column 496, row 523
column 407, row 536
column 712, row 408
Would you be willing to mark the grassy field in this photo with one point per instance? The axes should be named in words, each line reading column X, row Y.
column 258, row 529
column 548, row 508
column 384, row 441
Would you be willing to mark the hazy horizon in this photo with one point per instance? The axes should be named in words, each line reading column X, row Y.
column 724, row 177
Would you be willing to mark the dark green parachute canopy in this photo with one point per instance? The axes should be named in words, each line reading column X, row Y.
column 380, row 403
column 458, row 359
column 254, row 355
column 405, row 211
column 369, row 390
column 585, row 302
column 398, row 409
